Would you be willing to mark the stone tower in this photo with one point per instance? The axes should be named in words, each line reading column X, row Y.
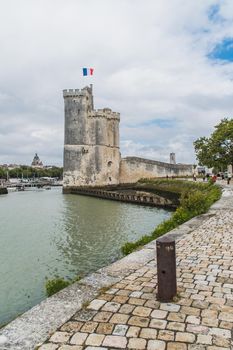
column 172, row 158
column 91, row 149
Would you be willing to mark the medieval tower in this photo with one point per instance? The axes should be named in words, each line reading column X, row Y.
column 91, row 149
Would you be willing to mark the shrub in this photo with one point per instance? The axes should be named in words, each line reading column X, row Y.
column 196, row 199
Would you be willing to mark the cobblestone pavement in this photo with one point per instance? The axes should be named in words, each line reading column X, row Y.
column 128, row 316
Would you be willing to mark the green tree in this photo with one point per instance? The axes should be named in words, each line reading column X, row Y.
column 217, row 150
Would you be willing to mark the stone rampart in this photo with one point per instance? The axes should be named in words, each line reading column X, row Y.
column 133, row 168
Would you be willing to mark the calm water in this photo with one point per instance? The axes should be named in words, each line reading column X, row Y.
column 45, row 234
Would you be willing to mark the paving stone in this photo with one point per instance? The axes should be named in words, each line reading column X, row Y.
column 209, row 313
column 136, row 301
column 126, row 309
column 200, row 304
column 166, row 335
column 220, row 332
column 120, row 299
column 152, row 303
column 221, row 341
column 142, row 311
column 96, row 304
column 159, row 314
column 123, row 292
column 176, row 346
column 156, row 345
column 176, row 326
column 95, row 348
column 156, row 323
column 204, row 339
column 84, row 315
column 175, row 316
column 119, row 318
column 226, row 316
column 94, row 339
column 138, row 321
column 136, row 294
column 137, row 343
column 78, row 338
column 112, row 291
column 185, row 337
column 71, row 326
column 213, row 347
column 60, row 337
column 148, row 333
column 133, row 332
column 120, row 329
column 48, row 347
column 102, row 316
column 105, row 328
column 107, row 297
column 71, row 347
column 197, row 329
column 170, row 307
column 111, row 306
column 188, row 310
column 227, row 325
column 89, row 327
column 210, row 322
column 193, row 319
column 196, row 347
column 115, row 341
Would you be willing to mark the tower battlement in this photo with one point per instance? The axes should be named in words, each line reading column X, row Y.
column 105, row 113
column 77, row 92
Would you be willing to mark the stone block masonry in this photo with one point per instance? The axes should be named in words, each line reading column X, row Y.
column 133, row 168
column 91, row 150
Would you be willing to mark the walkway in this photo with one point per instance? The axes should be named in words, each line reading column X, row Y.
column 128, row 316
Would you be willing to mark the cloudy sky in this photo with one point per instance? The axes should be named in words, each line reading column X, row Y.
column 165, row 65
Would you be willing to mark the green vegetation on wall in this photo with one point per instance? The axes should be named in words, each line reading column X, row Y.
column 55, row 285
column 195, row 199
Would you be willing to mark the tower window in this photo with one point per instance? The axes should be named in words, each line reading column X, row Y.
column 109, row 163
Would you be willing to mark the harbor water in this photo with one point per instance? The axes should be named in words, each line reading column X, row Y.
column 45, row 235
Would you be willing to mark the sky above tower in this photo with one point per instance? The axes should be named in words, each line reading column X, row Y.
column 165, row 65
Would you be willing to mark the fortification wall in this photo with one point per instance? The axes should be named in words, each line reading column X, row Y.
column 133, row 168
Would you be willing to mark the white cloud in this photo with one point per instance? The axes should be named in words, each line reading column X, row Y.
column 150, row 61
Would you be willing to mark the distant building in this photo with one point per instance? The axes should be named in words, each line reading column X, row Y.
column 37, row 163
column 172, row 158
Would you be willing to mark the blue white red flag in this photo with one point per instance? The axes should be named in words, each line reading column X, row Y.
column 88, row 71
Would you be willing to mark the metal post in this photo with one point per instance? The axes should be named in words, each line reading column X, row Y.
column 166, row 268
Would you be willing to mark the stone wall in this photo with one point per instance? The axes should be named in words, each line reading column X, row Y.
column 133, row 168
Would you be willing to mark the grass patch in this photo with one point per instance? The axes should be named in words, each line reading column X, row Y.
column 195, row 199
column 55, row 285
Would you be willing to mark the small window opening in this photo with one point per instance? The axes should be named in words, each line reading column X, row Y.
column 109, row 163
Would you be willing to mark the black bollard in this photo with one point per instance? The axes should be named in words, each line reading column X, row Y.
column 166, row 268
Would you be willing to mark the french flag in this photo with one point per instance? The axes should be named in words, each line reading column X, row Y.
column 88, row 71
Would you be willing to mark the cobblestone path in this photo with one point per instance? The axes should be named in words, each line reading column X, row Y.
column 128, row 316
